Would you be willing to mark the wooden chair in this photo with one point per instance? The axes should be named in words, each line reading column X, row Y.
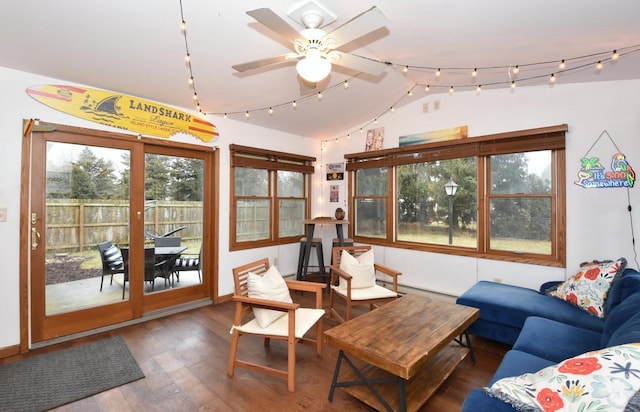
column 291, row 327
column 372, row 296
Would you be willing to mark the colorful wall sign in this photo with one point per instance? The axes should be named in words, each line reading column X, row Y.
column 593, row 174
column 122, row 112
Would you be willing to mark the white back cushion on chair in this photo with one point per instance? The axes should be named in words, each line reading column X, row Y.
column 360, row 268
column 271, row 286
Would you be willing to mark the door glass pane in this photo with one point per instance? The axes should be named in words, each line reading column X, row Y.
column 174, row 193
column 87, row 204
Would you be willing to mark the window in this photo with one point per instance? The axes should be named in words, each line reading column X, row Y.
column 270, row 196
column 424, row 215
column 509, row 203
column 371, row 200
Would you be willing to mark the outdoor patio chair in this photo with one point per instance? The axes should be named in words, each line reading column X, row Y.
column 111, row 261
column 353, row 278
column 188, row 262
column 260, row 289
column 152, row 269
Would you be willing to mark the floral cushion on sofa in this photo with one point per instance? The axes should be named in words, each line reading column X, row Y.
column 603, row 380
column 589, row 287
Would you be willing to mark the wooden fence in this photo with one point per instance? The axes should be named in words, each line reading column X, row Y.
column 77, row 225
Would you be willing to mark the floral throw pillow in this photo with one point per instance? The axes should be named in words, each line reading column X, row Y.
column 589, row 287
column 603, row 380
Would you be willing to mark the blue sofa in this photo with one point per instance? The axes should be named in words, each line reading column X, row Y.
column 544, row 330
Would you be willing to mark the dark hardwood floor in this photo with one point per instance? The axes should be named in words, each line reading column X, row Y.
column 184, row 359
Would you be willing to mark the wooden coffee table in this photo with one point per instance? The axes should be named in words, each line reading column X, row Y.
column 409, row 347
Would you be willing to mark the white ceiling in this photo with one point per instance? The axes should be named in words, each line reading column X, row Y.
column 137, row 48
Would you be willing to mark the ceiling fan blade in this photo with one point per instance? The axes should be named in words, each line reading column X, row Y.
column 360, row 25
column 261, row 63
column 357, row 63
column 275, row 23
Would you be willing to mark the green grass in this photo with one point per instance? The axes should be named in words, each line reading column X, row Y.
column 465, row 239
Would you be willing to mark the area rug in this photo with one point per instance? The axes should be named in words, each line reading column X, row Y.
column 53, row 379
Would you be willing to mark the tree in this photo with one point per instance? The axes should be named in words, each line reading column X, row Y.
column 157, row 179
column 92, row 177
column 186, row 179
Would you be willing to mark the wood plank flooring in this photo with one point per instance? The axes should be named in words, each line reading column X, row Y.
column 184, row 358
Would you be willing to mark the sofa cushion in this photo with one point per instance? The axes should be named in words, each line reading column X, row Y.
column 510, row 305
column 607, row 378
column 516, row 363
column 619, row 315
column 628, row 332
column 478, row 400
column 622, row 288
column 555, row 341
column 588, row 288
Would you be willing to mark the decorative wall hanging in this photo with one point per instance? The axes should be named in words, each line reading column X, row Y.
column 459, row 132
column 593, row 174
column 335, row 171
column 122, row 112
column 375, row 138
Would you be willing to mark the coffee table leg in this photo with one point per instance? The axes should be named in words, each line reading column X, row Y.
column 467, row 344
column 368, row 383
column 402, row 395
column 335, row 375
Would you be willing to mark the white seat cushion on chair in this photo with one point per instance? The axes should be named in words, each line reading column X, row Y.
column 305, row 319
column 271, row 286
column 374, row 292
column 361, row 270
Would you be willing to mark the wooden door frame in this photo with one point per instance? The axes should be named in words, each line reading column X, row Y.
column 210, row 242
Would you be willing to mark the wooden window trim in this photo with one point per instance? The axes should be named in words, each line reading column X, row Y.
column 273, row 161
column 545, row 138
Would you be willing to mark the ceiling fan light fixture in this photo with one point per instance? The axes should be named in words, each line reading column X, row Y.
column 313, row 68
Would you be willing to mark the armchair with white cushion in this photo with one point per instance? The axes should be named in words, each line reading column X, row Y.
column 353, row 279
column 261, row 290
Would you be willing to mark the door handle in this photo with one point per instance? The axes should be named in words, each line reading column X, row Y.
column 35, row 238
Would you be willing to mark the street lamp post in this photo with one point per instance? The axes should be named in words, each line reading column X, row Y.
column 451, row 188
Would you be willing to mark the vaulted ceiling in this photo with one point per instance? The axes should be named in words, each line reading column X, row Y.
column 137, row 48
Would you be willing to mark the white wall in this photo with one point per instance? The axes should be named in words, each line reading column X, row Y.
column 598, row 225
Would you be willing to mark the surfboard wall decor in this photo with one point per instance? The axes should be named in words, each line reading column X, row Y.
column 121, row 111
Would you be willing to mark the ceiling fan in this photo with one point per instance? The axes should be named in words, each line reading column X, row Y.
column 316, row 49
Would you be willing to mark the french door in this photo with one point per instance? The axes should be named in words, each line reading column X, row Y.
column 122, row 193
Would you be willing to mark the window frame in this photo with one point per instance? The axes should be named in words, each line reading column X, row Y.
column 482, row 147
column 272, row 161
